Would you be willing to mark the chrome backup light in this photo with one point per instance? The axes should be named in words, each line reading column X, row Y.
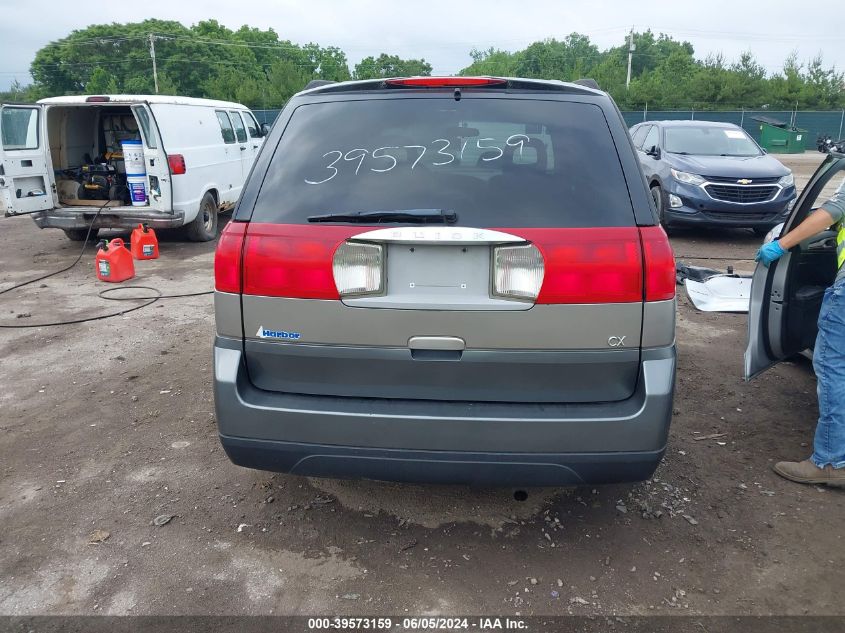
column 517, row 272
column 358, row 269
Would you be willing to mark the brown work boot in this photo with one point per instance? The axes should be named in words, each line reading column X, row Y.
column 807, row 472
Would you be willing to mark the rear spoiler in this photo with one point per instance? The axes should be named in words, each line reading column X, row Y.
column 581, row 86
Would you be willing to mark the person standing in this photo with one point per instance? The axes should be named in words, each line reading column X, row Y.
column 827, row 463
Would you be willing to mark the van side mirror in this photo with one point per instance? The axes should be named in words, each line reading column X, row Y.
column 654, row 151
column 265, row 129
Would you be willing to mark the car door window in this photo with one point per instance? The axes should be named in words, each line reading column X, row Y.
column 240, row 130
column 146, row 128
column 639, row 135
column 652, row 138
column 19, row 128
column 226, row 128
column 251, row 125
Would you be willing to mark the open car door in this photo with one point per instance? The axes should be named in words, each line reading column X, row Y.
column 24, row 174
column 786, row 297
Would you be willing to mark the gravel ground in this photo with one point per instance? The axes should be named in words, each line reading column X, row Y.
column 108, row 428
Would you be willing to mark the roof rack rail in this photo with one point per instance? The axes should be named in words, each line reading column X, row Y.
column 316, row 83
column 588, row 82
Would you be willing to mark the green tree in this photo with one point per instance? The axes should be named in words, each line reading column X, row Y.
column 390, row 66
column 493, row 62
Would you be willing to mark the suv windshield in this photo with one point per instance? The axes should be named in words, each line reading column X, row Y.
column 494, row 162
column 709, row 141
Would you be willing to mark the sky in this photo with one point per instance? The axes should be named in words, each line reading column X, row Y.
column 444, row 31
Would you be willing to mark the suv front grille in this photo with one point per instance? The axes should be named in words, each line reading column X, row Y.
column 732, row 180
column 740, row 217
column 741, row 194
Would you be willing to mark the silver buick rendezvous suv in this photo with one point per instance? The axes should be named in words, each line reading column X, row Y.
column 446, row 279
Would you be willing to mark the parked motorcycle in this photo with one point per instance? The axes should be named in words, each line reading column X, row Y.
column 825, row 144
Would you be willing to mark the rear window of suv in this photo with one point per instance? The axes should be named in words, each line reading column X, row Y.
column 494, row 162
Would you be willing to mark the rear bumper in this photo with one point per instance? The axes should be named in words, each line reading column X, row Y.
column 441, row 467
column 444, row 442
column 109, row 218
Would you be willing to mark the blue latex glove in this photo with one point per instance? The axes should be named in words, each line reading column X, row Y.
column 769, row 252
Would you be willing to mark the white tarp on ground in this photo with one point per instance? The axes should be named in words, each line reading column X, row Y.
column 721, row 293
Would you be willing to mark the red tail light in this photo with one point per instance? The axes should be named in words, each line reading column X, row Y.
column 659, row 264
column 590, row 265
column 287, row 260
column 227, row 258
column 176, row 162
column 446, row 82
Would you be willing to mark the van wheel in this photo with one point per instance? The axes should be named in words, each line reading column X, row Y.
column 204, row 226
column 78, row 235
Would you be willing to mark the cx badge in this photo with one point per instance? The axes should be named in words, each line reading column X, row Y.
column 616, row 341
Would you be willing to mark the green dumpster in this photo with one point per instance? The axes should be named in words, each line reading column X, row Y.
column 778, row 137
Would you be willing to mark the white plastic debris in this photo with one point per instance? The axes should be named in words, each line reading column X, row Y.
column 722, row 293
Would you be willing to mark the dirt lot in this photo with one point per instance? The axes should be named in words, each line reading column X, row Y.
column 107, row 425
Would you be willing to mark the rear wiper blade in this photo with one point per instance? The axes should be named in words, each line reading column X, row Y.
column 417, row 216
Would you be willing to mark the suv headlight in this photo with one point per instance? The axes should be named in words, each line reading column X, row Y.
column 690, row 179
column 774, row 234
column 787, row 181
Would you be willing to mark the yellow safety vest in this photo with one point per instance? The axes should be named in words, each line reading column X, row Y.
column 840, row 244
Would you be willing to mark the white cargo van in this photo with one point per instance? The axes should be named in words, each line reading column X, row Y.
column 62, row 161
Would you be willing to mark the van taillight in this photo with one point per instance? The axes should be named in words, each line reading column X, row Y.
column 295, row 261
column 227, row 258
column 588, row 265
column 446, row 82
column 358, row 269
column 517, row 272
column 176, row 162
column 659, row 264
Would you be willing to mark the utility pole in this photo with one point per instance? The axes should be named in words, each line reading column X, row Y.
column 631, row 49
column 153, row 57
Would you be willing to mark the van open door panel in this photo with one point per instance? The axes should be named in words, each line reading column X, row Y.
column 786, row 297
column 25, row 182
column 159, row 183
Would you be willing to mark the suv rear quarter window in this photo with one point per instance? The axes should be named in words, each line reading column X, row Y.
column 496, row 162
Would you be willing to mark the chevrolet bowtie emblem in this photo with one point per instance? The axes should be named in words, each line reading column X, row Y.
column 744, row 181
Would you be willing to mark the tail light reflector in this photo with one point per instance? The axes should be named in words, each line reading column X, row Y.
column 358, row 269
column 176, row 162
column 517, row 272
column 295, row 261
column 227, row 258
column 588, row 265
column 659, row 264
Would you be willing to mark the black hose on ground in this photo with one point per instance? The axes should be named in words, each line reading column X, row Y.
column 103, row 294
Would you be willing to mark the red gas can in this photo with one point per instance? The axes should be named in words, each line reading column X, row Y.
column 113, row 261
column 144, row 243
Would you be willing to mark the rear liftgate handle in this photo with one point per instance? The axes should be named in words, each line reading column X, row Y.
column 438, row 348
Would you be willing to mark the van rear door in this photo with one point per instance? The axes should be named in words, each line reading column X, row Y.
column 159, row 173
column 24, row 170
column 503, row 263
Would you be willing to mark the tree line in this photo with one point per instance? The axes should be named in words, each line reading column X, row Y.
column 261, row 70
